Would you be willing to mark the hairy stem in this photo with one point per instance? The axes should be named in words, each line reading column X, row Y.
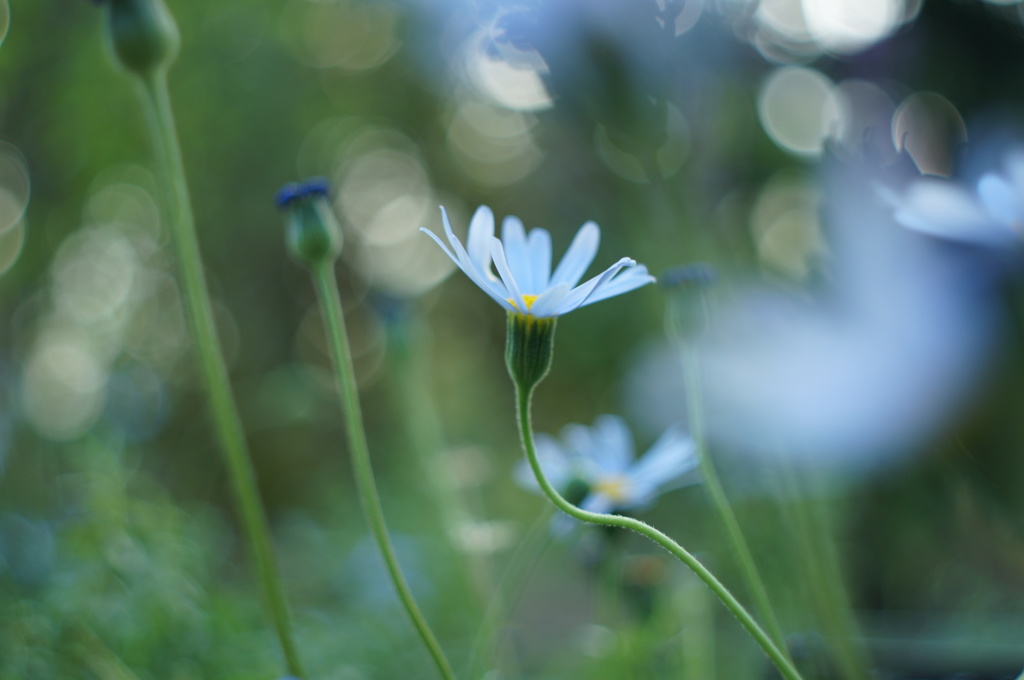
column 523, row 401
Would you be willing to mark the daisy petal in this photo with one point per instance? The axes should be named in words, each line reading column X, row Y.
column 513, row 238
column 597, row 502
column 478, row 243
column 550, row 302
column 613, row 450
column 443, row 246
column 553, row 461
column 498, row 254
column 489, row 286
column 998, row 197
column 631, row 279
column 943, row 209
column 578, row 257
column 540, row 257
column 581, row 293
column 671, row 457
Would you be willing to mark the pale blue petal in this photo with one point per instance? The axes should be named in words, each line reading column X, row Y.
column 628, row 280
column 578, row 257
column 540, row 258
column 943, row 209
column 550, row 300
column 553, row 461
column 489, row 286
column 443, row 246
column 578, row 439
column 998, row 197
column 498, row 253
column 613, row 445
column 478, row 243
column 513, row 238
column 597, row 502
column 671, row 457
column 581, row 293
column 1015, row 172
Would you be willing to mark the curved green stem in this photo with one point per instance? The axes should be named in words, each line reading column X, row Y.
column 177, row 207
column 720, row 501
column 334, row 320
column 785, row 666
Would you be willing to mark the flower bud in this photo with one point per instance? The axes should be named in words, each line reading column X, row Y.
column 142, row 34
column 313, row 233
column 529, row 348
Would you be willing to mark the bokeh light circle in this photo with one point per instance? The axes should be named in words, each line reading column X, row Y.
column 799, row 108
column 930, row 129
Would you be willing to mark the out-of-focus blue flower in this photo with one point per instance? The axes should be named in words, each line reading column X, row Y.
column 992, row 214
column 603, row 457
column 871, row 365
column 526, row 284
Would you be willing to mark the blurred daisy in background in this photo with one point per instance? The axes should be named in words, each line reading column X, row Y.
column 992, row 214
column 602, row 459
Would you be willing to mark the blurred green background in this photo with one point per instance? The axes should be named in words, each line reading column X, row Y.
column 689, row 130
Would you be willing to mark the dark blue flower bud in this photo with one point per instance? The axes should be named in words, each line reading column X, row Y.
column 313, row 233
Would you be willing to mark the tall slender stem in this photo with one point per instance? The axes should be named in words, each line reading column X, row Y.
column 334, row 320
column 818, row 551
column 523, row 400
column 715, row 492
column 177, row 207
column 519, row 566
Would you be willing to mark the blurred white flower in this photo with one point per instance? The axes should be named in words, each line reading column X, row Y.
column 992, row 214
column 604, row 459
column 526, row 284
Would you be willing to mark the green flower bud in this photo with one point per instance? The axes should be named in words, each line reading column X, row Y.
column 313, row 233
column 529, row 348
column 142, row 34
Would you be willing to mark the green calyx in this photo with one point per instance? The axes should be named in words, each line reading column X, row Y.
column 313, row 233
column 529, row 348
column 142, row 34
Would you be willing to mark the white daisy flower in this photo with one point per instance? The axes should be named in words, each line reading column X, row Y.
column 524, row 283
column 603, row 457
column 991, row 214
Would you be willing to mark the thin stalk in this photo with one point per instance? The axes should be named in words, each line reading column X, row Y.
column 334, row 320
column 426, row 440
column 523, row 401
column 818, row 552
column 520, row 566
column 170, row 171
column 715, row 492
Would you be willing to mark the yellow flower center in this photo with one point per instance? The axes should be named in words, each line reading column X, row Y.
column 528, row 299
column 615, row 488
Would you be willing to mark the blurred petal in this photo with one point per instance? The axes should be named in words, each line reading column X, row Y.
column 613, row 445
column 944, row 209
column 671, row 457
column 998, row 197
